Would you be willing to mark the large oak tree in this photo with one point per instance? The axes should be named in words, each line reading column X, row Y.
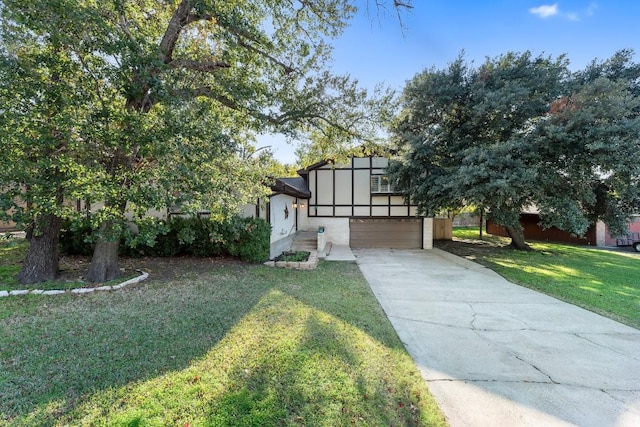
column 521, row 132
column 171, row 93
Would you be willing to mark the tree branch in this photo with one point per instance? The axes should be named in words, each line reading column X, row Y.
column 180, row 18
column 206, row 66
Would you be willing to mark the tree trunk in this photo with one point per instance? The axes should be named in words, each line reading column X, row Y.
column 104, row 263
column 41, row 262
column 517, row 238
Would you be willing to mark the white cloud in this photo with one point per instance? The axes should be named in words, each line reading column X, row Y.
column 545, row 10
column 573, row 16
column 548, row 10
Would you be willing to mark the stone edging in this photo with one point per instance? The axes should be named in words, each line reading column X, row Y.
column 140, row 278
column 309, row 264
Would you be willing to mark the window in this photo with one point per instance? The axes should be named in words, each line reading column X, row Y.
column 381, row 184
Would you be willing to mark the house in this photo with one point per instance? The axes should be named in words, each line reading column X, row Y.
column 596, row 235
column 353, row 204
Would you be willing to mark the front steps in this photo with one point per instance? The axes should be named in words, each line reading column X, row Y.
column 308, row 241
column 305, row 241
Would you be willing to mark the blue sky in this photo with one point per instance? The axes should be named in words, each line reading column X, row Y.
column 375, row 49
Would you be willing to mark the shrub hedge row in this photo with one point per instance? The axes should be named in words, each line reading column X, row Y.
column 246, row 238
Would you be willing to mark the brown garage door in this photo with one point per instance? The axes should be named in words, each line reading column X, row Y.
column 397, row 233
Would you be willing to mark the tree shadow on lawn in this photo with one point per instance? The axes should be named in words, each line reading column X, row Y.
column 55, row 363
column 67, row 347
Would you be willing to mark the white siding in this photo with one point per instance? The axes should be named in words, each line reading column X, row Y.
column 325, row 187
column 399, row 211
column 282, row 224
column 380, row 211
column 380, row 200
column 379, row 162
column 361, row 162
column 336, row 229
column 343, row 187
column 361, row 187
column 361, row 211
column 343, row 210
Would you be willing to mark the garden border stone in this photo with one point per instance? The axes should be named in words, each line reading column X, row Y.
column 143, row 275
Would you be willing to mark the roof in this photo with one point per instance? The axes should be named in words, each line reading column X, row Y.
column 296, row 187
column 305, row 171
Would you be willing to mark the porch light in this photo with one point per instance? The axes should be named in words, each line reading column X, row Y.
column 294, row 205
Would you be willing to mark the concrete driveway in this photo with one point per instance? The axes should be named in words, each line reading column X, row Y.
column 497, row 354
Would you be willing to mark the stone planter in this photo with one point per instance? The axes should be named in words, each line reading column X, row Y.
column 309, row 264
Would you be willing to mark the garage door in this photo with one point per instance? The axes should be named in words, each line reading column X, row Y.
column 397, row 233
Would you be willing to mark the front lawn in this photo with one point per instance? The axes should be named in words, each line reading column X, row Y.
column 602, row 281
column 211, row 343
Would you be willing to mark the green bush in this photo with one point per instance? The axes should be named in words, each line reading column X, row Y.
column 249, row 239
column 246, row 238
column 75, row 238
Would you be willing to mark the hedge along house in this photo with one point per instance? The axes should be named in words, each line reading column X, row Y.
column 354, row 203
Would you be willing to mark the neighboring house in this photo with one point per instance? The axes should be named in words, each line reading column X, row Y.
column 596, row 235
column 604, row 238
column 354, row 204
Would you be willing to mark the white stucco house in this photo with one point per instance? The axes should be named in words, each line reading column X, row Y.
column 354, row 203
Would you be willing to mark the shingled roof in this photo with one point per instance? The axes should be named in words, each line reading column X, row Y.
column 296, row 187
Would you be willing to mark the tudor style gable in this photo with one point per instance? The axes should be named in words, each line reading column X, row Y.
column 359, row 188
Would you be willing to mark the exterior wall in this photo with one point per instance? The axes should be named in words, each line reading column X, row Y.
column 427, row 233
column 284, row 225
column 634, row 229
column 601, row 234
column 532, row 231
column 336, row 229
column 255, row 210
column 282, row 217
column 345, row 191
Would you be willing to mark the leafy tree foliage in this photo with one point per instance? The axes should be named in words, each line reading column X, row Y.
column 167, row 95
column 521, row 132
column 592, row 134
column 42, row 164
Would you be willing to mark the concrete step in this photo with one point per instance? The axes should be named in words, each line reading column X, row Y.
column 305, row 241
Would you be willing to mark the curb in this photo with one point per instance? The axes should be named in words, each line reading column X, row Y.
column 143, row 276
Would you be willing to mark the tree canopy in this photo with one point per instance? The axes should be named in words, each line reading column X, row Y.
column 522, row 132
column 139, row 104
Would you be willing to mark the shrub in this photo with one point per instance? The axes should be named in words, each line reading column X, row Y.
column 249, row 239
column 142, row 236
column 246, row 238
column 75, row 238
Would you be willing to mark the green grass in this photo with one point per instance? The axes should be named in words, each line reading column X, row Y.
column 239, row 345
column 12, row 252
column 602, row 281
